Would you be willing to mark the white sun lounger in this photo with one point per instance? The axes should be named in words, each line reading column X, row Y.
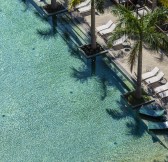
column 109, row 30
column 150, row 74
column 161, row 88
column 142, row 12
column 136, row 14
column 156, row 78
column 163, row 94
column 158, row 125
column 85, row 9
column 106, row 26
column 83, row 4
column 120, row 40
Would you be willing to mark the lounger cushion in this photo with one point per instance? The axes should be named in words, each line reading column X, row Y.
column 163, row 94
column 106, row 26
column 161, row 88
column 150, row 74
column 83, row 4
column 109, row 30
column 85, row 9
column 155, row 78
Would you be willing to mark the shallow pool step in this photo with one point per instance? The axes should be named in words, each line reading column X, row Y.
column 74, row 29
column 85, row 32
column 68, row 34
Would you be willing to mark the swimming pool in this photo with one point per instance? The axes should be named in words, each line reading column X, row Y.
column 52, row 109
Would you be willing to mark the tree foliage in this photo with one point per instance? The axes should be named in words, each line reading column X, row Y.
column 164, row 3
column 99, row 4
column 143, row 31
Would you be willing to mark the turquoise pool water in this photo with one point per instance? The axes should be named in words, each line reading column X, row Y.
column 52, row 110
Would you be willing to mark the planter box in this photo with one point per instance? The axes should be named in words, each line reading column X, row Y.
column 89, row 54
column 134, row 105
column 49, row 11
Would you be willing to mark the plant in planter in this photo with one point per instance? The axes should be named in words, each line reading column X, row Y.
column 89, row 51
column 53, row 4
column 144, row 32
column 53, row 7
column 95, row 4
column 164, row 3
column 132, row 100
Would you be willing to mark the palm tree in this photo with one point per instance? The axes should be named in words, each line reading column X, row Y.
column 154, row 4
column 53, row 4
column 164, row 3
column 142, row 31
column 95, row 4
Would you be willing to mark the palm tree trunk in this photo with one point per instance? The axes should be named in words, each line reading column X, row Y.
column 139, row 72
column 154, row 4
column 53, row 4
column 93, row 35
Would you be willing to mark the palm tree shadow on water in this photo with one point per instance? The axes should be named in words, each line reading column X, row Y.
column 57, row 22
column 136, row 127
column 165, row 160
column 106, row 77
column 25, row 5
column 47, row 33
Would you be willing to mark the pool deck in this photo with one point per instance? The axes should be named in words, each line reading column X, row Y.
column 156, row 59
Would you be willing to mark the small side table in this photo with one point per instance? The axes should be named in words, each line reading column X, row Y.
column 163, row 81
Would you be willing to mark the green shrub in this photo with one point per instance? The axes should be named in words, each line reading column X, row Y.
column 130, row 97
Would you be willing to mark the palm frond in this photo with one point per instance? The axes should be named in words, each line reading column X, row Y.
column 155, row 40
column 73, row 3
column 133, row 55
column 119, row 10
column 100, row 5
column 119, row 32
column 156, row 17
column 127, row 17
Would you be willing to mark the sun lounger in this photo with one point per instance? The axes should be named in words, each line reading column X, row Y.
column 163, row 94
column 136, row 15
column 85, row 9
column 109, row 30
column 158, row 125
column 156, row 78
column 117, row 43
column 161, row 88
column 106, row 26
column 83, row 4
column 152, row 113
column 142, row 12
column 150, row 74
